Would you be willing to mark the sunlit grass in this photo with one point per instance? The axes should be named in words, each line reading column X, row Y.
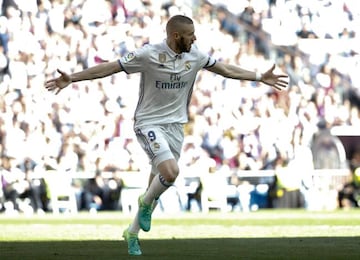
column 254, row 235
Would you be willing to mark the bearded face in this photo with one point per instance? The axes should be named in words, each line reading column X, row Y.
column 183, row 45
column 186, row 38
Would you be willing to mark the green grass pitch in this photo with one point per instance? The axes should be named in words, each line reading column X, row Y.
column 265, row 234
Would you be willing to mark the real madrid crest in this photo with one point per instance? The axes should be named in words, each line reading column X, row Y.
column 162, row 57
column 156, row 146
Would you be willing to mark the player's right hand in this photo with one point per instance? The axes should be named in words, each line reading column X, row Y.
column 58, row 83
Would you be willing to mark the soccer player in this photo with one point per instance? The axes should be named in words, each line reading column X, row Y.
column 168, row 71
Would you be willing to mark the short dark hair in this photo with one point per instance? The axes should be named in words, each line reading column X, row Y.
column 176, row 21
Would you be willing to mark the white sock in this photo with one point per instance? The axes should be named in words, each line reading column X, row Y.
column 156, row 200
column 156, row 188
column 134, row 227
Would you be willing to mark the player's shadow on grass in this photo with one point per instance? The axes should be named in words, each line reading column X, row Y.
column 186, row 249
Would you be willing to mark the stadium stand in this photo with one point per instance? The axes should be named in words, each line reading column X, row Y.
column 71, row 135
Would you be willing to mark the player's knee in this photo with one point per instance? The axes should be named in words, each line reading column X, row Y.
column 169, row 171
column 171, row 174
column 171, row 177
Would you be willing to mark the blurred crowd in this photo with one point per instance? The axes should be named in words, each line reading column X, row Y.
column 239, row 125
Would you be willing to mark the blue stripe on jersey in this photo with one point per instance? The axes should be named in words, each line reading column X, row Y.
column 141, row 97
column 122, row 67
column 147, row 146
column 190, row 94
column 207, row 64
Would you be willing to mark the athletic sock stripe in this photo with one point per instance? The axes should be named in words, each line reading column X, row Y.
column 164, row 182
column 146, row 142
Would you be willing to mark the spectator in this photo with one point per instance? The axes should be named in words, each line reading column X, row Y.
column 328, row 151
column 99, row 193
column 94, row 194
column 285, row 190
column 306, row 33
column 36, row 188
column 23, row 193
column 349, row 196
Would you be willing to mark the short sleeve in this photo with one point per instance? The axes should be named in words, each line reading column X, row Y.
column 134, row 61
column 205, row 60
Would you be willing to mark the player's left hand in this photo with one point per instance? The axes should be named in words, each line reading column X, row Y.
column 276, row 81
column 58, row 83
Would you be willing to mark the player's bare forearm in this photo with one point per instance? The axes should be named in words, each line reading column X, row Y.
column 233, row 72
column 277, row 81
column 99, row 71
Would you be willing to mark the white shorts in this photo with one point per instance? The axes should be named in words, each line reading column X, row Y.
column 161, row 142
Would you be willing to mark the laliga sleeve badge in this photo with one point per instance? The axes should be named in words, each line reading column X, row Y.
column 129, row 57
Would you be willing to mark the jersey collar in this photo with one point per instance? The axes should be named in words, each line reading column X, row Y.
column 171, row 53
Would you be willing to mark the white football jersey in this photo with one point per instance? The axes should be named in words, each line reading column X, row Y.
column 166, row 82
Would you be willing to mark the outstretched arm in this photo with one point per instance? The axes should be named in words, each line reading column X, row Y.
column 99, row 71
column 269, row 78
